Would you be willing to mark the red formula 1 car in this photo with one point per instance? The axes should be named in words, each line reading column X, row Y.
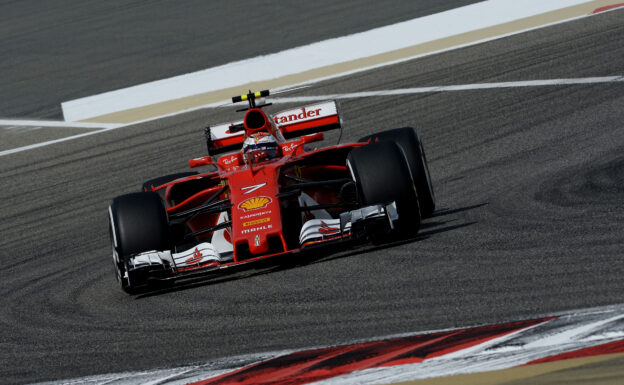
column 271, row 194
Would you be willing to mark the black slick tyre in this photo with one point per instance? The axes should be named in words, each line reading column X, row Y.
column 407, row 138
column 382, row 175
column 138, row 223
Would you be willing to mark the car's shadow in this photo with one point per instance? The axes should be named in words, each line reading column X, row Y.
column 429, row 227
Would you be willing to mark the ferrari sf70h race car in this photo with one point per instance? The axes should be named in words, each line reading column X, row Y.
column 270, row 194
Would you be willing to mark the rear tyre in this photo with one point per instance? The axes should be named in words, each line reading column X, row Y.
column 138, row 223
column 410, row 142
column 382, row 175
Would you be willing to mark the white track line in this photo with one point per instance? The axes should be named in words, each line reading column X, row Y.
column 465, row 87
column 302, row 99
column 49, row 142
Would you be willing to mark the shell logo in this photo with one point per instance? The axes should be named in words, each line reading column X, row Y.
column 254, row 203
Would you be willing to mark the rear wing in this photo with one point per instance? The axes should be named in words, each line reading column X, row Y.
column 295, row 122
column 323, row 116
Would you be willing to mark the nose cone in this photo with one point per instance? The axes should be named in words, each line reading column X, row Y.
column 256, row 218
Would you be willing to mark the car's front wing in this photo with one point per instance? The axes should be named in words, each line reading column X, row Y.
column 204, row 258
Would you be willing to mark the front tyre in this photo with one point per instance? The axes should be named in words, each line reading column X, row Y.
column 382, row 175
column 138, row 223
column 409, row 141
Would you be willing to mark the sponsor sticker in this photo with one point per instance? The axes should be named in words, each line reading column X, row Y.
column 256, row 222
column 295, row 116
column 257, row 240
column 255, row 203
column 227, row 160
column 304, row 114
column 247, row 216
column 256, row 229
column 290, row 147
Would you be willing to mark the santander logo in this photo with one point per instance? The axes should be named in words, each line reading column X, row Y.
column 294, row 117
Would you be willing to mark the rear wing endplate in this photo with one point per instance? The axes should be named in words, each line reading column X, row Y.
column 225, row 137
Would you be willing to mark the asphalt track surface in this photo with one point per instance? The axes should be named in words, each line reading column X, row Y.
column 59, row 50
column 529, row 182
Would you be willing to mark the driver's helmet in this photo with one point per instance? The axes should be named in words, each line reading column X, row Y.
column 260, row 146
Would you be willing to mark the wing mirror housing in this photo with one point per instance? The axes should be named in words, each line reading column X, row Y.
column 204, row 161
